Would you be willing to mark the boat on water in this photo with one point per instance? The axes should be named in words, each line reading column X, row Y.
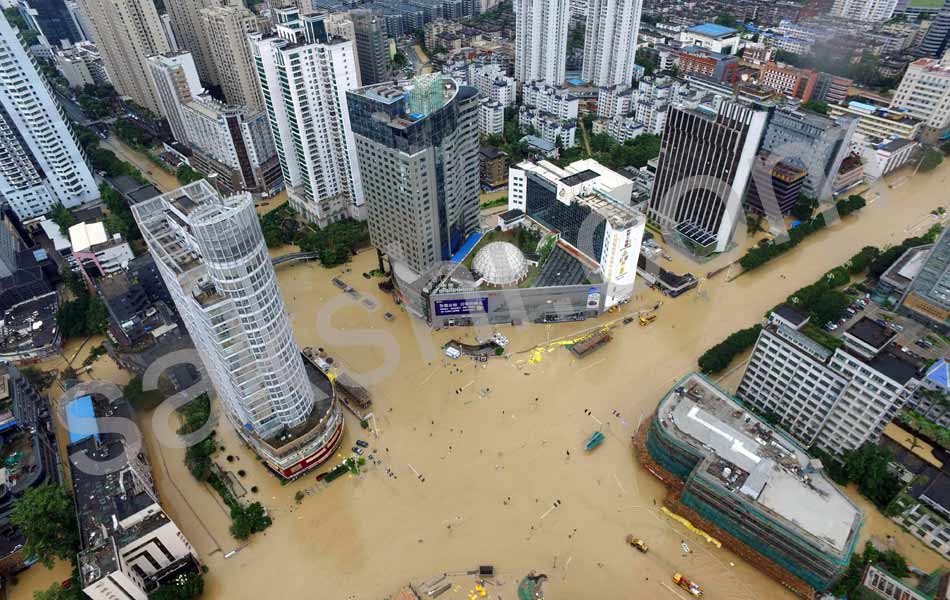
column 596, row 439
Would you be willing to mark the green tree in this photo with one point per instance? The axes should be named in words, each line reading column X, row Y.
column 184, row 587
column 649, row 67
column 60, row 215
column 930, row 160
column 719, row 356
column 29, row 36
column 726, row 20
column 804, row 207
column 816, row 106
column 186, row 175
column 47, row 519
column 97, row 316
column 56, row 591
column 399, row 60
column 130, row 133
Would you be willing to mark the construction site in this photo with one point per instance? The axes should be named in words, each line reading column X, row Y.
column 740, row 481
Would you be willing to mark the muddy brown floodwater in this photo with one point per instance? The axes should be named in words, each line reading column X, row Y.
column 491, row 442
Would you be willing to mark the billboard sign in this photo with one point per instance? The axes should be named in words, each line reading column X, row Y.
column 461, row 306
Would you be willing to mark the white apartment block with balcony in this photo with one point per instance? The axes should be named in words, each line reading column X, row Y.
column 924, row 92
column 491, row 118
column 304, row 75
column 835, row 400
column 492, row 82
column 554, row 100
column 41, row 164
column 81, row 65
column 615, row 101
column 548, row 128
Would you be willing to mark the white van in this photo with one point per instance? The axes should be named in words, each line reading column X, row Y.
column 452, row 352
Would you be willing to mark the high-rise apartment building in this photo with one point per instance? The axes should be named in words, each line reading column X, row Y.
column 541, row 40
column 226, row 29
column 127, row 32
column 233, row 144
column 610, row 42
column 304, row 75
column 835, row 400
column 864, row 10
column 372, row 46
column 924, row 93
column 40, row 162
column 211, row 254
column 704, row 166
column 418, row 148
column 190, row 33
column 176, row 82
column 53, row 20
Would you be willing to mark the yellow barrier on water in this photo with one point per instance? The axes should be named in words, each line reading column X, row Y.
column 686, row 523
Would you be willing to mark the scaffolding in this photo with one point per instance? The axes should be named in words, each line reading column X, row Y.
column 426, row 95
column 710, row 495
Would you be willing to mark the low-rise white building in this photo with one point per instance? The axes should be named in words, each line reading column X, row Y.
column 92, row 247
column 717, row 38
column 881, row 157
column 548, row 128
column 879, row 122
column 620, row 128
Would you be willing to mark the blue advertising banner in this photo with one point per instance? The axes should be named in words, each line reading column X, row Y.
column 461, row 306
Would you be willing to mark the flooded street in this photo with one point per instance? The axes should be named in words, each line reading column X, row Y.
column 160, row 178
column 500, row 444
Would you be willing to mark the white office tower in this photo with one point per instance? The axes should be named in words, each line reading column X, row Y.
column 305, row 73
column 41, row 164
column 211, row 254
column 176, row 82
column 610, row 42
column 541, row 40
column 127, row 32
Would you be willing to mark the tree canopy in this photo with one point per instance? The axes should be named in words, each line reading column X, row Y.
column 47, row 519
column 184, row 587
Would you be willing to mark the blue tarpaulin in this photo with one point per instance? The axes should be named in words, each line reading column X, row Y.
column 939, row 373
column 81, row 419
column 466, row 247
